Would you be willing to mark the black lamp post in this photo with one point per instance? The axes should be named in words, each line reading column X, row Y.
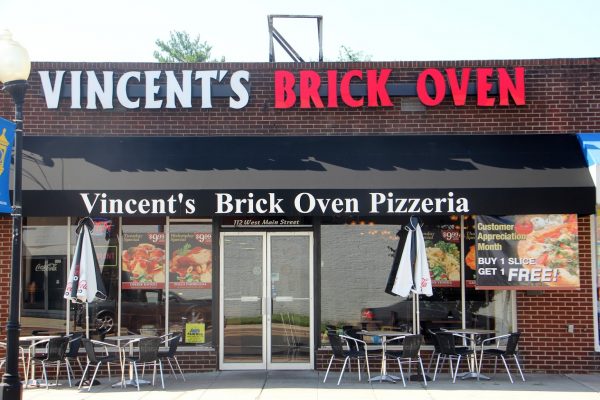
column 14, row 71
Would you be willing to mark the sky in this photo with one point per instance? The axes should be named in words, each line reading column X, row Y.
column 393, row 30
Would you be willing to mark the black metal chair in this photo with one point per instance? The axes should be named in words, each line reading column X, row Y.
column 353, row 353
column 512, row 341
column 451, row 352
column 96, row 360
column 409, row 355
column 55, row 354
column 72, row 353
column 148, row 354
column 437, row 350
column 22, row 356
column 172, row 340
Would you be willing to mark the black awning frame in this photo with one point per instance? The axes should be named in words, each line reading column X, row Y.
column 495, row 174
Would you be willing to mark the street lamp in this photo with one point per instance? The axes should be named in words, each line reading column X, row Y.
column 14, row 71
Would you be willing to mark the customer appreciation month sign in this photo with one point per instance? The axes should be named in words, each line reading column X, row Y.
column 527, row 252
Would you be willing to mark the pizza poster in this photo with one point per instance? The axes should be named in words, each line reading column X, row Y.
column 191, row 260
column 442, row 244
column 527, row 252
column 143, row 261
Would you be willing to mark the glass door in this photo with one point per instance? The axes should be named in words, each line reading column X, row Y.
column 266, row 300
column 289, row 305
column 243, row 257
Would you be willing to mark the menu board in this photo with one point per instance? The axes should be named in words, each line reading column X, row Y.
column 442, row 244
column 143, row 261
column 191, row 260
column 527, row 252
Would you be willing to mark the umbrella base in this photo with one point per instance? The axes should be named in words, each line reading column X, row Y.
column 86, row 382
column 419, row 378
column 385, row 378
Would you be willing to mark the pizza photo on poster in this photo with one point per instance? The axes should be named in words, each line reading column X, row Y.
column 143, row 260
column 527, row 252
column 191, row 260
column 442, row 244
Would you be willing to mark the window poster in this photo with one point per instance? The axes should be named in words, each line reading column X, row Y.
column 470, row 262
column 143, row 261
column 442, row 244
column 527, row 252
column 191, row 260
column 195, row 332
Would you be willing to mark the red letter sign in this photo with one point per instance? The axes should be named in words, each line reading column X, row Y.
column 459, row 92
column 516, row 89
column 483, row 87
column 440, row 87
column 332, row 101
column 284, row 89
column 376, row 88
column 310, row 82
column 345, row 89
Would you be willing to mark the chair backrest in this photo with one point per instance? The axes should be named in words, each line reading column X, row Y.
column 434, row 340
column 336, row 344
column 354, row 333
column 89, row 350
column 512, row 343
column 74, row 344
column 446, row 343
column 173, row 343
column 57, row 347
column 411, row 345
column 148, row 349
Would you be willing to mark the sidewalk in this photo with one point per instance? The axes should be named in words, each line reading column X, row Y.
column 308, row 385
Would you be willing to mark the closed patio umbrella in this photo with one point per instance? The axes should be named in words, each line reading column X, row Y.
column 410, row 269
column 85, row 281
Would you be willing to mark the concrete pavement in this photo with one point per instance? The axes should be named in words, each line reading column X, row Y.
column 308, row 385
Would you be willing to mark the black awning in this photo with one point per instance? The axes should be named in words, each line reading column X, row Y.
column 371, row 175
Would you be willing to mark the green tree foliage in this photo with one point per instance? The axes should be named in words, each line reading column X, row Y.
column 345, row 53
column 182, row 48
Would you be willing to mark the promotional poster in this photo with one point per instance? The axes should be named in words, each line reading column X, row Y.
column 527, row 252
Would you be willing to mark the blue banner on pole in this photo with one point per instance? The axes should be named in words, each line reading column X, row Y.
column 7, row 138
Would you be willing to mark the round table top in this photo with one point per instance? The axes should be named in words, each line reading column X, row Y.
column 472, row 331
column 385, row 333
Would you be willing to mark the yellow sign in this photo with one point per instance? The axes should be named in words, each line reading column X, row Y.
column 195, row 332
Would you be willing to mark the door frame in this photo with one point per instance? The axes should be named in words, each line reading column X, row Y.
column 266, row 363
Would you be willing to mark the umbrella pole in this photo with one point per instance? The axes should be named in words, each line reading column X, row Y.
column 87, row 320
column 417, row 316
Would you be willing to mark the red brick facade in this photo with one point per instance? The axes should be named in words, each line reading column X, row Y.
column 562, row 96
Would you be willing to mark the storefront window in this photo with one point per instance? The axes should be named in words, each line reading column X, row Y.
column 356, row 263
column 190, row 282
column 44, row 275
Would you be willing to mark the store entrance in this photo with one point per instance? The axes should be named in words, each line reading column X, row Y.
column 266, row 300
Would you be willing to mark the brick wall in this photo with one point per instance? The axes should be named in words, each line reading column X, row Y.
column 543, row 318
column 562, row 96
